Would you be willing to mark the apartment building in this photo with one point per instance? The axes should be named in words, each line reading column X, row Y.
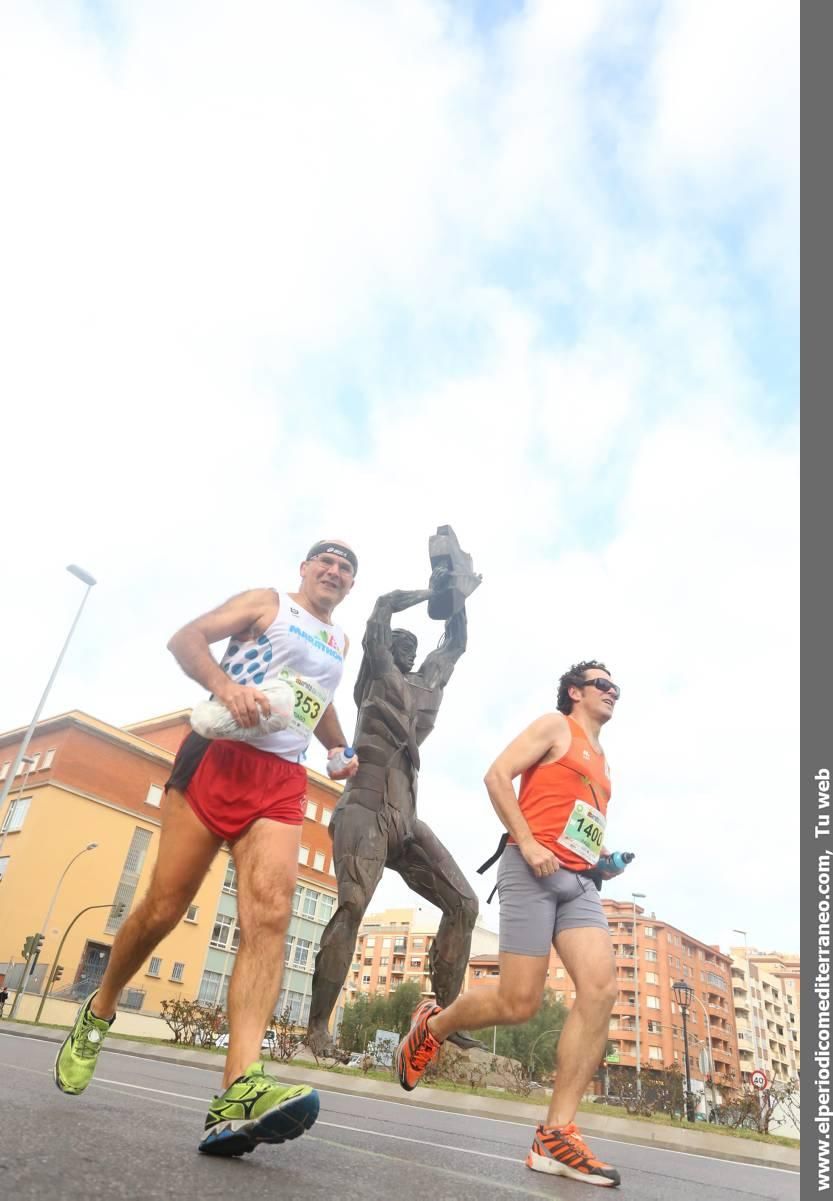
column 393, row 947
column 78, row 839
column 766, row 989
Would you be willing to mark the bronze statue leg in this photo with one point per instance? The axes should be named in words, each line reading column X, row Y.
column 359, row 853
column 428, row 868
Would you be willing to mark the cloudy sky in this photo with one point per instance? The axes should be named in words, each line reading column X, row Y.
column 273, row 271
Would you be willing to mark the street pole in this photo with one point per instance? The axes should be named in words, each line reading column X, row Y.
column 707, row 1020
column 28, row 760
column 45, row 927
column 688, row 1105
column 51, row 976
column 637, row 896
column 87, row 579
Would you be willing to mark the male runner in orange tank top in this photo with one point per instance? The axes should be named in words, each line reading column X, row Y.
column 555, row 832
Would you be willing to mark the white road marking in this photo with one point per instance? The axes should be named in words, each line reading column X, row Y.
column 404, row 1105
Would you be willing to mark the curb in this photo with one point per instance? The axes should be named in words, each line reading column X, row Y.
column 664, row 1138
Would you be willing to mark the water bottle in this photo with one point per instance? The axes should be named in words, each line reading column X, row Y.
column 340, row 761
column 617, row 862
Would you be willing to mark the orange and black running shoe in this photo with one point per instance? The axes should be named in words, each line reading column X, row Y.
column 563, row 1152
column 418, row 1047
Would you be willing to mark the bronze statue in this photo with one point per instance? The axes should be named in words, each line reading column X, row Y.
column 374, row 825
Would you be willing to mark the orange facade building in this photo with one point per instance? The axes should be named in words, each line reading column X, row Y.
column 78, row 839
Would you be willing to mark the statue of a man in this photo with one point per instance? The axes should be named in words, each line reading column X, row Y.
column 374, row 824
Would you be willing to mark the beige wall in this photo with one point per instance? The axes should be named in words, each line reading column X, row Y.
column 58, row 824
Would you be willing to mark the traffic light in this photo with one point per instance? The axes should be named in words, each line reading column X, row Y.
column 38, row 943
column 28, row 945
column 59, row 971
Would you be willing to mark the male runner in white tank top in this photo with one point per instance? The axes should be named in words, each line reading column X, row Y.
column 249, row 795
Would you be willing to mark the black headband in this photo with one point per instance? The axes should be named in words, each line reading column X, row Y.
column 332, row 548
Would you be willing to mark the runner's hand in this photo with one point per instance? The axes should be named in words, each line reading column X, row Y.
column 245, row 704
column 540, row 859
column 349, row 770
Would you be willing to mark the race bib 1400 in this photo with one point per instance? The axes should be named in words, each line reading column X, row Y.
column 584, row 832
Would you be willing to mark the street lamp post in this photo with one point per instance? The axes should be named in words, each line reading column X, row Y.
column 45, row 927
column 683, row 993
column 637, row 896
column 87, row 579
column 50, row 978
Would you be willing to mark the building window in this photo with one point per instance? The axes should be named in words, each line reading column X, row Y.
column 652, row 1002
column 327, row 905
column 155, row 966
column 417, row 942
column 16, row 815
column 651, row 978
column 655, row 1027
column 220, row 934
column 649, row 932
column 35, row 760
column 126, row 890
column 651, row 956
column 382, row 980
column 310, row 902
column 191, row 915
column 154, row 795
column 47, row 760
column 319, row 861
column 302, row 946
column 230, row 882
column 655, row 1053
column 326, row 814
column 4, row 770
column 209, row 988
column 370, row 942
column 312, row 810
column 177, row 972
column 416, row 962
column 303, row 854
column 384, row 961
column 365, row 979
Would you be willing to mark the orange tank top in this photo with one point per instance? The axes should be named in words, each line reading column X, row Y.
column 559, row 799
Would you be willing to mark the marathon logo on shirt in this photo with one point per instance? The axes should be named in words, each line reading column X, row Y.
column 324, row 642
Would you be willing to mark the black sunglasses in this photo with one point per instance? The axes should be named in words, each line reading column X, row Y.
column 603, row 685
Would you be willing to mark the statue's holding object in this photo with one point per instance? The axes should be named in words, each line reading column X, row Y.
column 374, row 824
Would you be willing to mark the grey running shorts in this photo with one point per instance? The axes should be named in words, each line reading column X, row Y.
column 534, row 910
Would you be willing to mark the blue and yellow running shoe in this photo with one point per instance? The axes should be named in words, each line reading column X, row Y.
column 256, row 1109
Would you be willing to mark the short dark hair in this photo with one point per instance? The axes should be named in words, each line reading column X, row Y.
column 574, row 678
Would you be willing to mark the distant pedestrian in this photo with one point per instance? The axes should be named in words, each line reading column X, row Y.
column 4, row 996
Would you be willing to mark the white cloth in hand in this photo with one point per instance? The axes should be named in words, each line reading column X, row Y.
column 212, row 719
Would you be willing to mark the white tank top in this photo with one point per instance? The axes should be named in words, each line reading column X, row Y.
column 305, row 652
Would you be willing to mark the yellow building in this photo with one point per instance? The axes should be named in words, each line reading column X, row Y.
column 78, row 840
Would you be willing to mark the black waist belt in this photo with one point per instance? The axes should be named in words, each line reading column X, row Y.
column 484, row 867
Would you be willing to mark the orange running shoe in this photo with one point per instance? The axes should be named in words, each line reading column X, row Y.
column 418, row 1047
column 561, row 1151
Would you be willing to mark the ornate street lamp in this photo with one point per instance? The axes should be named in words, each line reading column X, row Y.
column 682, row 994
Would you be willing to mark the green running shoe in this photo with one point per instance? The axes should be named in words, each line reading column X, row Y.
column 256, row 1109
column 75, row 1064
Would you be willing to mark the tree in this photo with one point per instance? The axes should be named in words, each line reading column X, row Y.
column 371, row 1012
column 533, row 1043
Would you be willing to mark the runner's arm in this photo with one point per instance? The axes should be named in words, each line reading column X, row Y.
column 236, row 617
column 330, row 734
column 546, row 735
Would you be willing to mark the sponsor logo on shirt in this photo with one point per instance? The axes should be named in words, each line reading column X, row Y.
column 323, row 642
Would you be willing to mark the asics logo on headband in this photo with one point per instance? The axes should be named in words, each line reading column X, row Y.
column 333, row 548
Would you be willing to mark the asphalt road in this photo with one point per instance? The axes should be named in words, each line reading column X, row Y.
column 133, row 1134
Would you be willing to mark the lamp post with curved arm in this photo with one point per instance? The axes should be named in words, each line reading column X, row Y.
column 637, row 896
column 683, row 993
column 44, row 928
column 543, row 1034
column 51, row 976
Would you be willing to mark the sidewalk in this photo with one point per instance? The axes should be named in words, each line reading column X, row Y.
column 694, row 1142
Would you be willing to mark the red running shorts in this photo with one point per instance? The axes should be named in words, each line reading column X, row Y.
column 229, row 785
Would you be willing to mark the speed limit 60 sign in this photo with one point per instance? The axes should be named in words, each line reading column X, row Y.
column 759, row 1078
